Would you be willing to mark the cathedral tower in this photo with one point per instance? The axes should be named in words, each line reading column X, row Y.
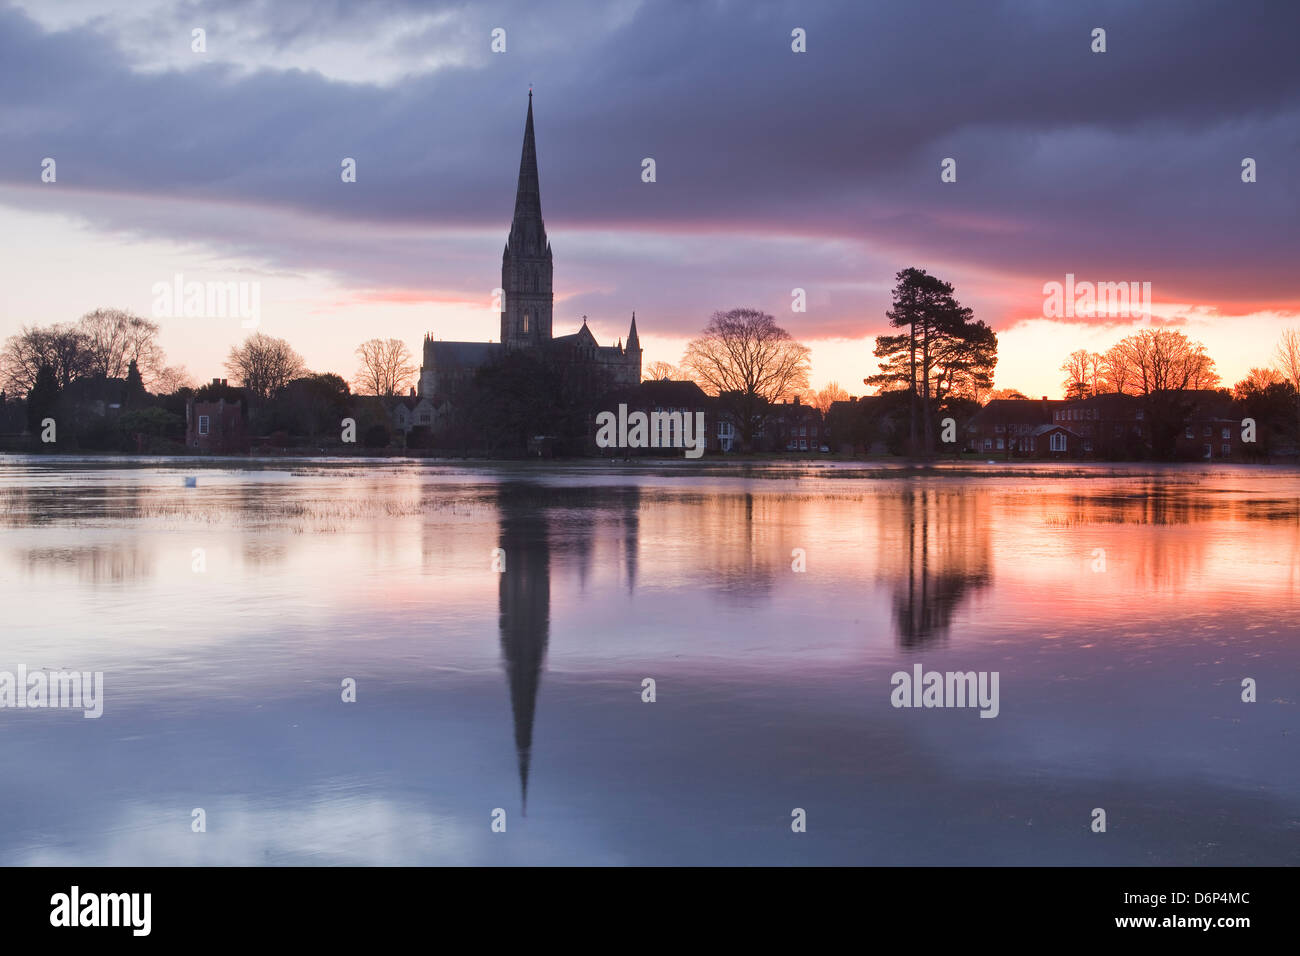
column 526, row 263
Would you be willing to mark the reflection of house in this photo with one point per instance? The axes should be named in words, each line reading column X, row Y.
column 1012, row 426
column 216, row 427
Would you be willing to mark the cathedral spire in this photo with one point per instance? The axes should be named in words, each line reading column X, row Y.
column 633, row 342
column 526, row 261
column 528, row 197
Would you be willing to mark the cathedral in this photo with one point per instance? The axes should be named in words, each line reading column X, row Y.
column 527, row 305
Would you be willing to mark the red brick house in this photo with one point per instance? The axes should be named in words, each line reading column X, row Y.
column 1111, row 426
column 1007, row 427
column 215, row 427
column 795, row 426
column 1056, row 441
column 1211, row 430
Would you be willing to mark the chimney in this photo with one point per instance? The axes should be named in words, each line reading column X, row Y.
column 1044, row 398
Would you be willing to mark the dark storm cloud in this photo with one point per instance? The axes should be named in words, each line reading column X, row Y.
column 1123, row 165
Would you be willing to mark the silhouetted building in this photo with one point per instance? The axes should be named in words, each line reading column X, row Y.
column 527, row 305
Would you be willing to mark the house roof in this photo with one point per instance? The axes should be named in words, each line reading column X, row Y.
column 1015, row 411
column 671, row 393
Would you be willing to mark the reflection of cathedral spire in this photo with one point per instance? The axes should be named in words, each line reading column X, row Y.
column 631, row 534
column 524, row 598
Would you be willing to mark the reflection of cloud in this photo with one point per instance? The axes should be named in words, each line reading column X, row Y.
column 354, row 831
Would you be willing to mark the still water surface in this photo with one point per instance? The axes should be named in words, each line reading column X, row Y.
column 225, row 617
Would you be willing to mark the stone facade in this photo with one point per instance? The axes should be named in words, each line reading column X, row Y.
column 527, row 305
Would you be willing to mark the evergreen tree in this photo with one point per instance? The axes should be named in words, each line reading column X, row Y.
column 42, row 399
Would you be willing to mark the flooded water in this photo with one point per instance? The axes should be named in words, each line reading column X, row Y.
column 1121, row 608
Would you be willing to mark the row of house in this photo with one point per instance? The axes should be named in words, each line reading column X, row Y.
column 792, row 426
column 1107, row 426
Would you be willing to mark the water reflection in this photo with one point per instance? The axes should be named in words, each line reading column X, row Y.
column 773, row 685
column 940, row 555
column 524, row 602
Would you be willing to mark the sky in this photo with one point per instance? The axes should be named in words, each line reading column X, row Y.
column 775, row 170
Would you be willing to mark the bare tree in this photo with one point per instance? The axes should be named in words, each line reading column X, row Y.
column 264, row 364
column 1288, row 357
column 657, row 371
column 749, row 362
column 172, row 379
column 386, row 367
column 833, row 392
column 1076, row 368
column 1288, row 362
column 63, row 347
column 117, row 338
column 1115, row 370
column 1160, row 360
column 1002, row 393
column 1257, row 380
column 1097, row 372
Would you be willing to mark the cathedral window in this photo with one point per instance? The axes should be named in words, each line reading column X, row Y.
column 525, row 323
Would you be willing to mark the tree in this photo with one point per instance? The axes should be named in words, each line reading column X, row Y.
column 749, row 362
column 42, row 399
column 264, row 364
column 1161, row 366
column 1082, row 373
column 386, row 367
column 943, row 352
column 1288, row 362
column 1160, row 360
column 135, row 390
column 63, row 347
column 116, row 338
column 312, row 405
column 833, row 392
column 1115, row 370
column 657, row 371
column 1257, row 380
column 172, row 379
column 1267, row 397
column 1000, row 393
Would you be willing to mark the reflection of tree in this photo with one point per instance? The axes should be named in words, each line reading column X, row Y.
column 741, row 542
column 939, row 555
column 1136, row 518
column 117, row 564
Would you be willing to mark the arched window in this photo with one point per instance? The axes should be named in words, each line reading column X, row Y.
column 525, row 323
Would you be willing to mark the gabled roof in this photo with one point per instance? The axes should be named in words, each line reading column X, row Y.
column 1015, row 411
column 1044, row 429
column 663, row 393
